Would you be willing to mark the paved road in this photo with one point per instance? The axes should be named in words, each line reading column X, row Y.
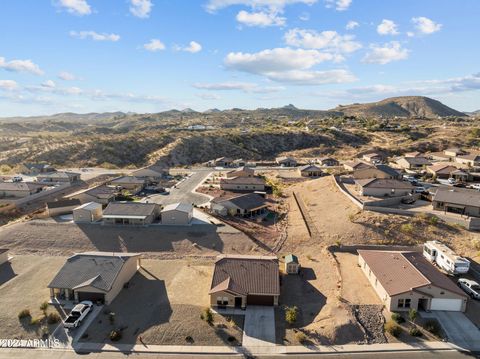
column 57, row 354
column 183, row 191
column 259, row 327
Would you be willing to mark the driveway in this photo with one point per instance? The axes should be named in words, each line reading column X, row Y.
column 259, row 327
column 458, row 328
column 184, row 191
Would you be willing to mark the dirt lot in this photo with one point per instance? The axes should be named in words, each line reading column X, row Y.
column 163, row 304
column 23, row 285
column 51, row 238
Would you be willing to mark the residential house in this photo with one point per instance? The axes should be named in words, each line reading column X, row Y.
column 95, row 276
column 413, row 163
column 239, row 281
column 406, row 280
column 461, row 175
column 414, row 154
column 245, row 205
column 377, row 171
column 129, row 183
column 63, row 206
column 179, row 214
column 35, row 168
column 328, row 161
column 454, row 152
column 19, row 189
column 310, row 171
column 150, row 174
column 286, row 161
column 441, row 170
column 241, row 172
column 382, row 187
column 373, row 157
column 130, row 213
column 239, row 162
column 457, row 200
column 292, row 266
column 3, row 256
column 101, row 194
column 447, row 155
column 58, row 177
column 356, row 165
column 87, row 213
column 242, row 184
column 221, row 162
column 471, row 160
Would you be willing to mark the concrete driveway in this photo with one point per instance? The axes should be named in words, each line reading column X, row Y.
column 259, row 327
column 458, row 328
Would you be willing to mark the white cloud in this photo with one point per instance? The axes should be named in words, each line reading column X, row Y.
column 20, row 66
column 49, row 84
column 327, row 40
column 154, row 45
column 94, row 36
column 274, row 5
column 193, row 47
column 352, row 25
column 8, row 85
column 66, row 76
column 387, row 27
column 260, row 19
column 426, row 26
column 77, row 7
column 339, row 5
column 141, row 8
column 208, row 96
column 288, row 65
column 383, row 54
column 238, row 86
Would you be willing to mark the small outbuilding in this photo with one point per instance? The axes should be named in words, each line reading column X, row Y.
column 286, row 161
column 64, row 206
column 292, row 266
column 179, row 214
column 310, row 171
column 87, row 213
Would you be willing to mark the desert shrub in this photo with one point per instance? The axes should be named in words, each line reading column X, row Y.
column 415, row 332
column 207, row 316
column 115, row 335
column 53, row 318
column 35, row 321
column 433, row 327
column 412, row 314
column 44, row 307
column 301, row 337
column 392, row 328
column 291, row 314
column 406, row 228
column 24, row 314
column 189, row 339
column 397, row 318
column 433, row 220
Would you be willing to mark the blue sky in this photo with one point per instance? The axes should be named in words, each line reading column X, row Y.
column 152, row 55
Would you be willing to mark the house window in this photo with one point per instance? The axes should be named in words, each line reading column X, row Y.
column 222, row 301
column 407, row 303
column 401, row 303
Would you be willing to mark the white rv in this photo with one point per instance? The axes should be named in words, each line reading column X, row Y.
column 445, row 258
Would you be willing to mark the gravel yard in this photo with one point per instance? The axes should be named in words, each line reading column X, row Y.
column 163, row 304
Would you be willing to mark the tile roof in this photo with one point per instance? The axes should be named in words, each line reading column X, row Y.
column 97, row 269
column 129, row 209
column 249, row 275
column 247, row 202
column 90, row 206
column 388, row 170
column 64, row 203
column 384, row 183
column 310, row 168
column 357, row 164
column 416, row 160
column 243, row 180
column 128, row 179
column 459, row 196
column 441, row 167
column 401, row 272
column 182, row 207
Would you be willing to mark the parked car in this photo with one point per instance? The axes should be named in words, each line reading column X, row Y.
column 420, row 190
column 78, row 313
column 451, row 180
column 17, row 179
column 470, row 287
column 459, row 184
column 475, row 186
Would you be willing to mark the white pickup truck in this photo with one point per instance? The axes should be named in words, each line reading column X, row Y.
column 78, row 313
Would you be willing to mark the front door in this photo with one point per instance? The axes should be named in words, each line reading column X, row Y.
column 238, row 302
column 423, row 304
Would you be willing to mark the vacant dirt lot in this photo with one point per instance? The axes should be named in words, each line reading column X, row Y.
column 64, row 239
column 23, row 285
column 163, row 304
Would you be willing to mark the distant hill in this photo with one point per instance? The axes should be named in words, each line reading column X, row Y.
column 406, row 106
column 69, row 116
column 473, row 113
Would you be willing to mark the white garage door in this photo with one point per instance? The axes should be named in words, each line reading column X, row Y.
column 446, row 304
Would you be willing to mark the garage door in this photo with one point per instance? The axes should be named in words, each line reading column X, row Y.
column 91, row 296
column 446, row 304
column 260, row 300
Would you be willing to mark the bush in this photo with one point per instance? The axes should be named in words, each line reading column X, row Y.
column 412, row 314
column 415, row 332
column 25, row 313
column 207, row 316
column 433, row 327
column 44, row 307
column 397, row 318
column 35, row 321
column 53, row 318
column 406, row 228
column 392, row 328
column 115, row 335
column 301, row 337
column 433, row 220
column 291, row 314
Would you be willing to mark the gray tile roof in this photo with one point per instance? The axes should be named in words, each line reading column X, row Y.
column 182, row 207
column 96, row 269
column 129, row 180
column 310, row 168
column 247, row 202
column 384, row 183
column 388, row 170
column 129, row 209
column 459, row 196
column 247, row 275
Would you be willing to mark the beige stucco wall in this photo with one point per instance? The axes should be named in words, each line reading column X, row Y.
column 128, row 271
column 175, row 217
column 52, row 212
column 15, row 193
column 383, row 192
column 86, row 215
column 469, row 210
column 231, row 299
